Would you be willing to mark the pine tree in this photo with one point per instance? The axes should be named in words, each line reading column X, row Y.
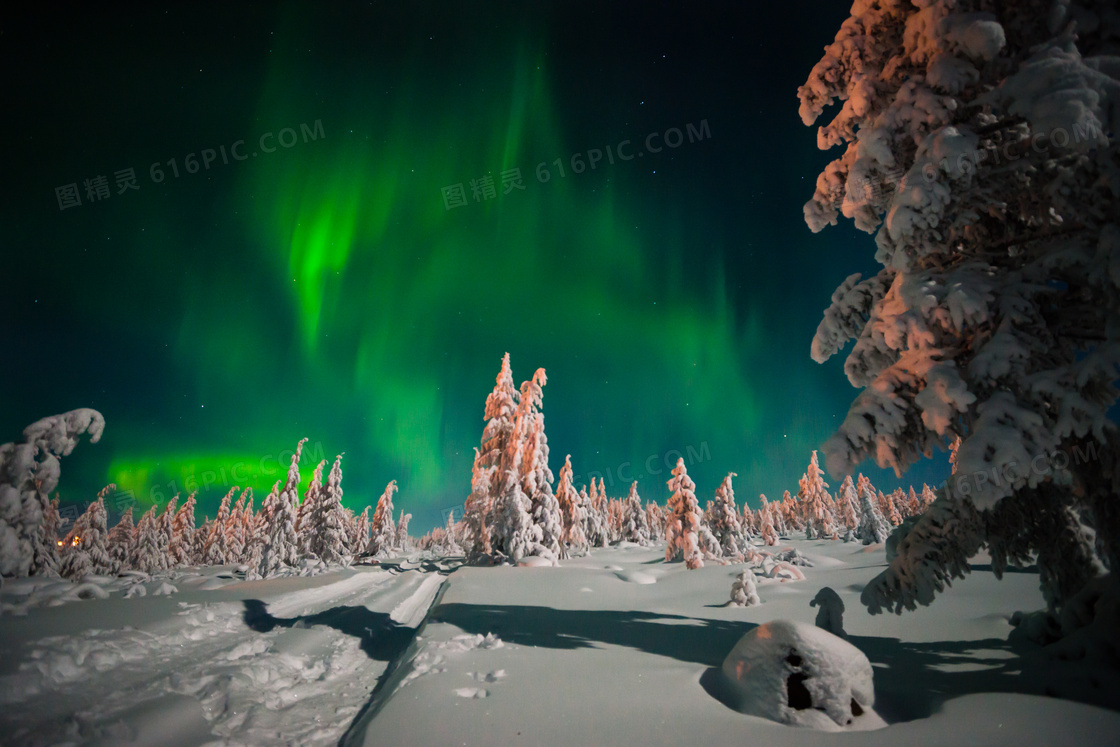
column 282, row 546
column 536, row 477
column 165, row 524
column 29, row 472
column 182, row 534
column 848, row 504
column 401, row 539
column 86, row 545
column 724, row 522
column 684, row 523
column 491, row 463
column 256, row 535
column 361, row 533
column 330, row 534
column 383, row 533
column 235, row 528
column 813, row 495
column 514, row 532
column 217, row 551
column 246, row 532
column 120, row 543
column 766, row 531
column 594, row 522
column 305, row 526
column 873, row 528
column 635, row 524
column 656, row 522
column 146, row 554
column 992, row 320
column 571, row 512
column 198, row 540
column 894, row 515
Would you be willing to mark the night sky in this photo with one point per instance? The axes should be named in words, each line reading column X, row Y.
column 328, row 285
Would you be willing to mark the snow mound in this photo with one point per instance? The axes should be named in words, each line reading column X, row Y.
column 800, row 675
column 536, row 561
column 471, row 692
column 636, row 577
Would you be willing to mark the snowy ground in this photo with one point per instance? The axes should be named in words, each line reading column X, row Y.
column 616, row 648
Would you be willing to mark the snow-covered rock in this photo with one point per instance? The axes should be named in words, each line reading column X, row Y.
column 800, row 675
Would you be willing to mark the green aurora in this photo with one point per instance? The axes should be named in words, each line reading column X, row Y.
column 326, row 290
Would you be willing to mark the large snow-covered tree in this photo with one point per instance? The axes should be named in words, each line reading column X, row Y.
column 182, row 533
column 305, row 528
column 146, row 554
column 29, row 472
column 813, row 497
column 281, row 548
column 330, row 530
column 120, row 541
column 491, row 463
column 980, row 147
column 684, row 521
column 536, row 477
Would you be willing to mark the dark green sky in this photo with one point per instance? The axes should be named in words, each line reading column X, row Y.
column 325, row 289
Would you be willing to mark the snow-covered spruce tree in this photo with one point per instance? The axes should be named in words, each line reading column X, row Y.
column 87, row 549
column 146, row 555
column 767, row 532
column 29, row 472
column 571, row 512
column 360, row 538
column 182, row 533
column 536, row 477
column 656, row 521
column 594, row 521
column 744, row 593
column 451, row 544
column 49, row 539
column 684, row 522
column 403, row 541
column 234, row 528
column 305, row 526
column 894, row 512
column 635, row 525
column 330, row 531
column 256, row 534
column 383, row 533
column 166, row 526
column 873, row 528
column 217, row 551
column 784, row 516
column 813, row 498
column 281, row 548
column 491, row 463
column 847, row 501
column 724, row 521
column 119, row 543
column 515, row 534
column 994, row 317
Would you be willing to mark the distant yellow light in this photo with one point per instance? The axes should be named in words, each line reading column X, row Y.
column 76, row 541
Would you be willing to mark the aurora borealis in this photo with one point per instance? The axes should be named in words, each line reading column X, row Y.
column 327, row 290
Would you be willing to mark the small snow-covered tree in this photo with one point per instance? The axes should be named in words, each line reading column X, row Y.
column 594, row 521
column 86, row 545
column 847, row 501
column 536, row 477
column 147, row 557
column 767, row 533
column 383, row 535
column 119, row 542
column 744, row 593
column 684, row 522
column 29, row 472
column 451, row 545
column 873, row 528
column 571, row 512
column 635, row 525
column 403, row 541
column 724, row 521
column 656, row 521
column 360, row 538
column 993, row 319
column 217, row 551
column 182, row 534
column 894, row 514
